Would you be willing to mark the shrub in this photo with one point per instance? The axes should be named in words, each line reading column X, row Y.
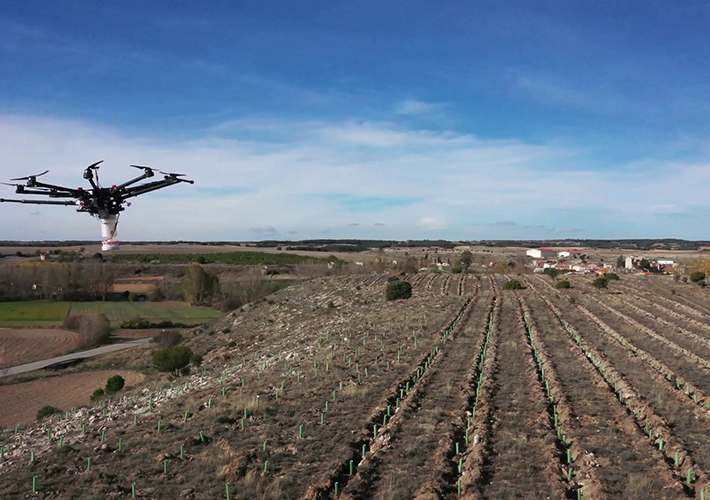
column 398, row 290
column 456, row 270
column 702, row 284
column 600, row 283
column 167, row 339
column 392, row 279
column 231, row 344
column 230, row 303
column 512, row 285
column 196, row 359
column 98, row 393
column 173, row 358
column 156, row 295
column 94, row 327
column 697, row 276
column 563, row 284
column 46, row 411
column 551, row 272
column 114, row 384
column 611, row 277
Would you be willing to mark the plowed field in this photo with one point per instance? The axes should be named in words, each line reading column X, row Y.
column 465, row 390
column 24, row 345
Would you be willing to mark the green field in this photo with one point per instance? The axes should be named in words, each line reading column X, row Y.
column 120, row 311
column 44, row 313
column 35, row 311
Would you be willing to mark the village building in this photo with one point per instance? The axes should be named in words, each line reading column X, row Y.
column 541, row 253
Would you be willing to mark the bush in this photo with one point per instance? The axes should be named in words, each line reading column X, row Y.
column 512, row 285
column 230, row 303
column 563, row 284
column 98, row 393
column 95, row 327
column 398, row 290
column 46, row 411
column 611, row 277
column 456, row 270
column 167, row 339
column 156, row 295
column 697, row 276
column 551, row 272
column 392, row 279
column 114, row 384
column 702, row 284
column 600, row 283
column 173, row 358
column 196, row 359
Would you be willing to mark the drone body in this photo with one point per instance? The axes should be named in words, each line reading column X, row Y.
column 104, row 203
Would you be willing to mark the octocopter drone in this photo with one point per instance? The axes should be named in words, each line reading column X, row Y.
column 104, row 203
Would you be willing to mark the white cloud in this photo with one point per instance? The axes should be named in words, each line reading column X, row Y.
column 245, row 187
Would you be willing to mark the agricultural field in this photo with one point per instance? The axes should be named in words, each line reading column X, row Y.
column 154, row 311
column 21, row 401
column 24, row 345
column 465, row 390
column 47, row 313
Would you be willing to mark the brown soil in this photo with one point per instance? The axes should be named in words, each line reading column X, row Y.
column 20, row 402
column 24, row 345
column 283, row 361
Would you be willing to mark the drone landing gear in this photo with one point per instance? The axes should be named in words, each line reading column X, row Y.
column 109, row 233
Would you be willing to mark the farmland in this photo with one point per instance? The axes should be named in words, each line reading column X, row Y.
column 47, row 313
column 464, row 390
column 19, row 346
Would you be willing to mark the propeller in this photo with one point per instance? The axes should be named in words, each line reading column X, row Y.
column 29, row 177
column 95, row 165
column 170, row 175
column 13, row 185
column 147, row 169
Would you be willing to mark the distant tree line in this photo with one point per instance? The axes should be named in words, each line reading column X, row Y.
column 89, row 280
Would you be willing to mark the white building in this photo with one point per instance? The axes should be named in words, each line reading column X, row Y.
column 541, row 253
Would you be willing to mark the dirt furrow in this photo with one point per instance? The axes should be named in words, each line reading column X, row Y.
column 691, row 301
column 399, row 463
column 445, row 286
column 704, row 363
column 683, row 422
column 523, row 457
column 660, row 411
column 629, row 467
column 676, row 316
column 385, row 416
column 429, row 287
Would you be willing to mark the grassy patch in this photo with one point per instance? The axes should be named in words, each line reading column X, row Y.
column 35, row 311
column 121, row 311
column 44, row 313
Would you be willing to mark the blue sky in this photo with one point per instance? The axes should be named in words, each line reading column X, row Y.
column 386, row 119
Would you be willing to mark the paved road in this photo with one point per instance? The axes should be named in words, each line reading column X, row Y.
column 37, row 365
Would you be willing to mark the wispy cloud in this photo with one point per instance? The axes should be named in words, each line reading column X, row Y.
column 414, row 107
column 416, row 181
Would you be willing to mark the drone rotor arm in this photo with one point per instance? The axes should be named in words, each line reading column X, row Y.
column 38, row 202
column 147, row 188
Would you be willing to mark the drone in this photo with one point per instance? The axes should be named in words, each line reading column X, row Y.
column 104, row 203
